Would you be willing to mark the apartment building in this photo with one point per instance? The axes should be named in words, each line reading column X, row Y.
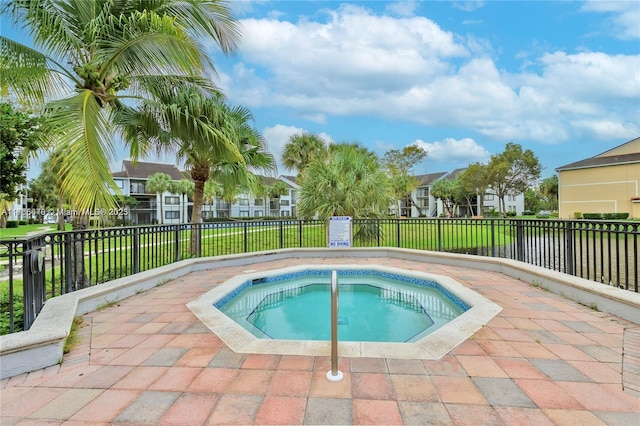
column 170, row 208
column 606, row 183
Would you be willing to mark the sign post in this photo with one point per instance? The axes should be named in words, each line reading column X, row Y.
column 340, row 231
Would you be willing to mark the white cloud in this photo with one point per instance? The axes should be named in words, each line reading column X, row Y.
column 402, row 8
column 625, row 17
column 469, row 6
column 463, row 151
column 408, row 68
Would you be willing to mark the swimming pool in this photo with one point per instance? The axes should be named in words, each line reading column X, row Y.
column 374, row 306
column 432, row 346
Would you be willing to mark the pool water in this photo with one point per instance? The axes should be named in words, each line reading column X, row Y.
column 372, row 308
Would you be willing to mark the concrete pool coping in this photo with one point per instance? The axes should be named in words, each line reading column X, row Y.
column 433, row 346
column 42, row 345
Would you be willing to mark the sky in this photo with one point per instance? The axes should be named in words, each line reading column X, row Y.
column 460, row 79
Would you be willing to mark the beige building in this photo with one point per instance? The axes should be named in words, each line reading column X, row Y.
column 606, row 183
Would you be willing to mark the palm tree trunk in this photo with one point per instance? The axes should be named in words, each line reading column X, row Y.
column 199, row 175
column 79, row 278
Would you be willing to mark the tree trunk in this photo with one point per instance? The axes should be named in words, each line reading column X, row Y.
column 79, row 278
column 199, row 175
column 60, row 217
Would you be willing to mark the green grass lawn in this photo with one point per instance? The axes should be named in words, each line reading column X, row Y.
column 22, row 230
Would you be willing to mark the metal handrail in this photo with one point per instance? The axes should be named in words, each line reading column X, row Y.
column 334, row 374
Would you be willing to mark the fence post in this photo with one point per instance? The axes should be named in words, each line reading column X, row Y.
column 244, row 240
column 136, row 250
column 439, row 222
column 398, row 232
column 519, row 240
column 569, row 247
column 176, row 242
column 493, row 237
column 68, row 273
column 281, row 235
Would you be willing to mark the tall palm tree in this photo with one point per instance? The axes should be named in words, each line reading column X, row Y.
column 209, row 193
column 158, row 183
column 302, row 149
column 214, row 139
column 185, row 188
column 350, row 183
column 95, row 63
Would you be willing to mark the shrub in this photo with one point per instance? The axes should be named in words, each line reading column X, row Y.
column 528, row 213
column 592, row 216
column 511, row 214
column 615, row 216
column 18, row 312
column 492, row 213
column 12, row 224
column 23, row 222
column 543, row 215
column 577, row 215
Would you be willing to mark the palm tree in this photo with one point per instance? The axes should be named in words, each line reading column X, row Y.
column 350, row 183
column 214, row 139
column 209, row 193
column 185, row 188
column 96, row 63
column 159, row 183
column 302, row 149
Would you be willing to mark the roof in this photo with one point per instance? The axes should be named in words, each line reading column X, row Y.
column 612, row 160
column 142, row 170
column 454, row 174
column 429, row 178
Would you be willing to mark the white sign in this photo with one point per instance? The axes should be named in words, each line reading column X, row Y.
column 340, row 231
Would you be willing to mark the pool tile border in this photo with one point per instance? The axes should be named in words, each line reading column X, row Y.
column 432, row 347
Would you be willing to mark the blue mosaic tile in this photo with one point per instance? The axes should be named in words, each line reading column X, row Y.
column 346, row 272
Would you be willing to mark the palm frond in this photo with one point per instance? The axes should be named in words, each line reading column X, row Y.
column 83, row 130
column 33, row 76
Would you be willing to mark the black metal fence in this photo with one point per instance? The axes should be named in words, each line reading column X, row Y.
column 48, row 265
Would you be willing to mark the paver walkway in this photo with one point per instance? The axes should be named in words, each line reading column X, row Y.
column 148, row 360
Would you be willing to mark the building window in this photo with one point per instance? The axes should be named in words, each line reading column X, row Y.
column 120, row 183
column 137, row 188
column 511, row 197
column 488, row 197
column 244, row 202
column 172, row 215
column 244, row 213
column 284, row 213
column 259, row 202
column 206, row 214
column 172, row 200
column 284, row 202
column 258, row 213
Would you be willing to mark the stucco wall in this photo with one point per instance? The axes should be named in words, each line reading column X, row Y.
column 607, row 189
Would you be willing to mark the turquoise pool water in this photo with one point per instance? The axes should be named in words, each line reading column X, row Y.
column 373, row 306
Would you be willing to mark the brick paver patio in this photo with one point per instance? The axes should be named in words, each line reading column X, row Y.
column 148, row 360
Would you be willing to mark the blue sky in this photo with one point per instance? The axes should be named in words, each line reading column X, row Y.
column 461, row 79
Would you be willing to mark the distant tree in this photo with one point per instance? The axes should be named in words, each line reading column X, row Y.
column 532, row 200
column 350, row 183
column 302, row 149
column 475, row 180
column 185, row 188
column 512, row 172
column 448, row 191
column 44, row 189
column 158, row 183
column 399, row 165
column 19, row 134
column 549, row 192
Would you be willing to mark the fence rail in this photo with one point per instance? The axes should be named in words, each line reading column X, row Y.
column 51, row 264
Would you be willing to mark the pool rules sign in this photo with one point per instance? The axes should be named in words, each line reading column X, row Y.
column 340, row 231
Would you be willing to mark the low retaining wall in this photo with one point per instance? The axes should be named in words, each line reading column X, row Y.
column 42, row 345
